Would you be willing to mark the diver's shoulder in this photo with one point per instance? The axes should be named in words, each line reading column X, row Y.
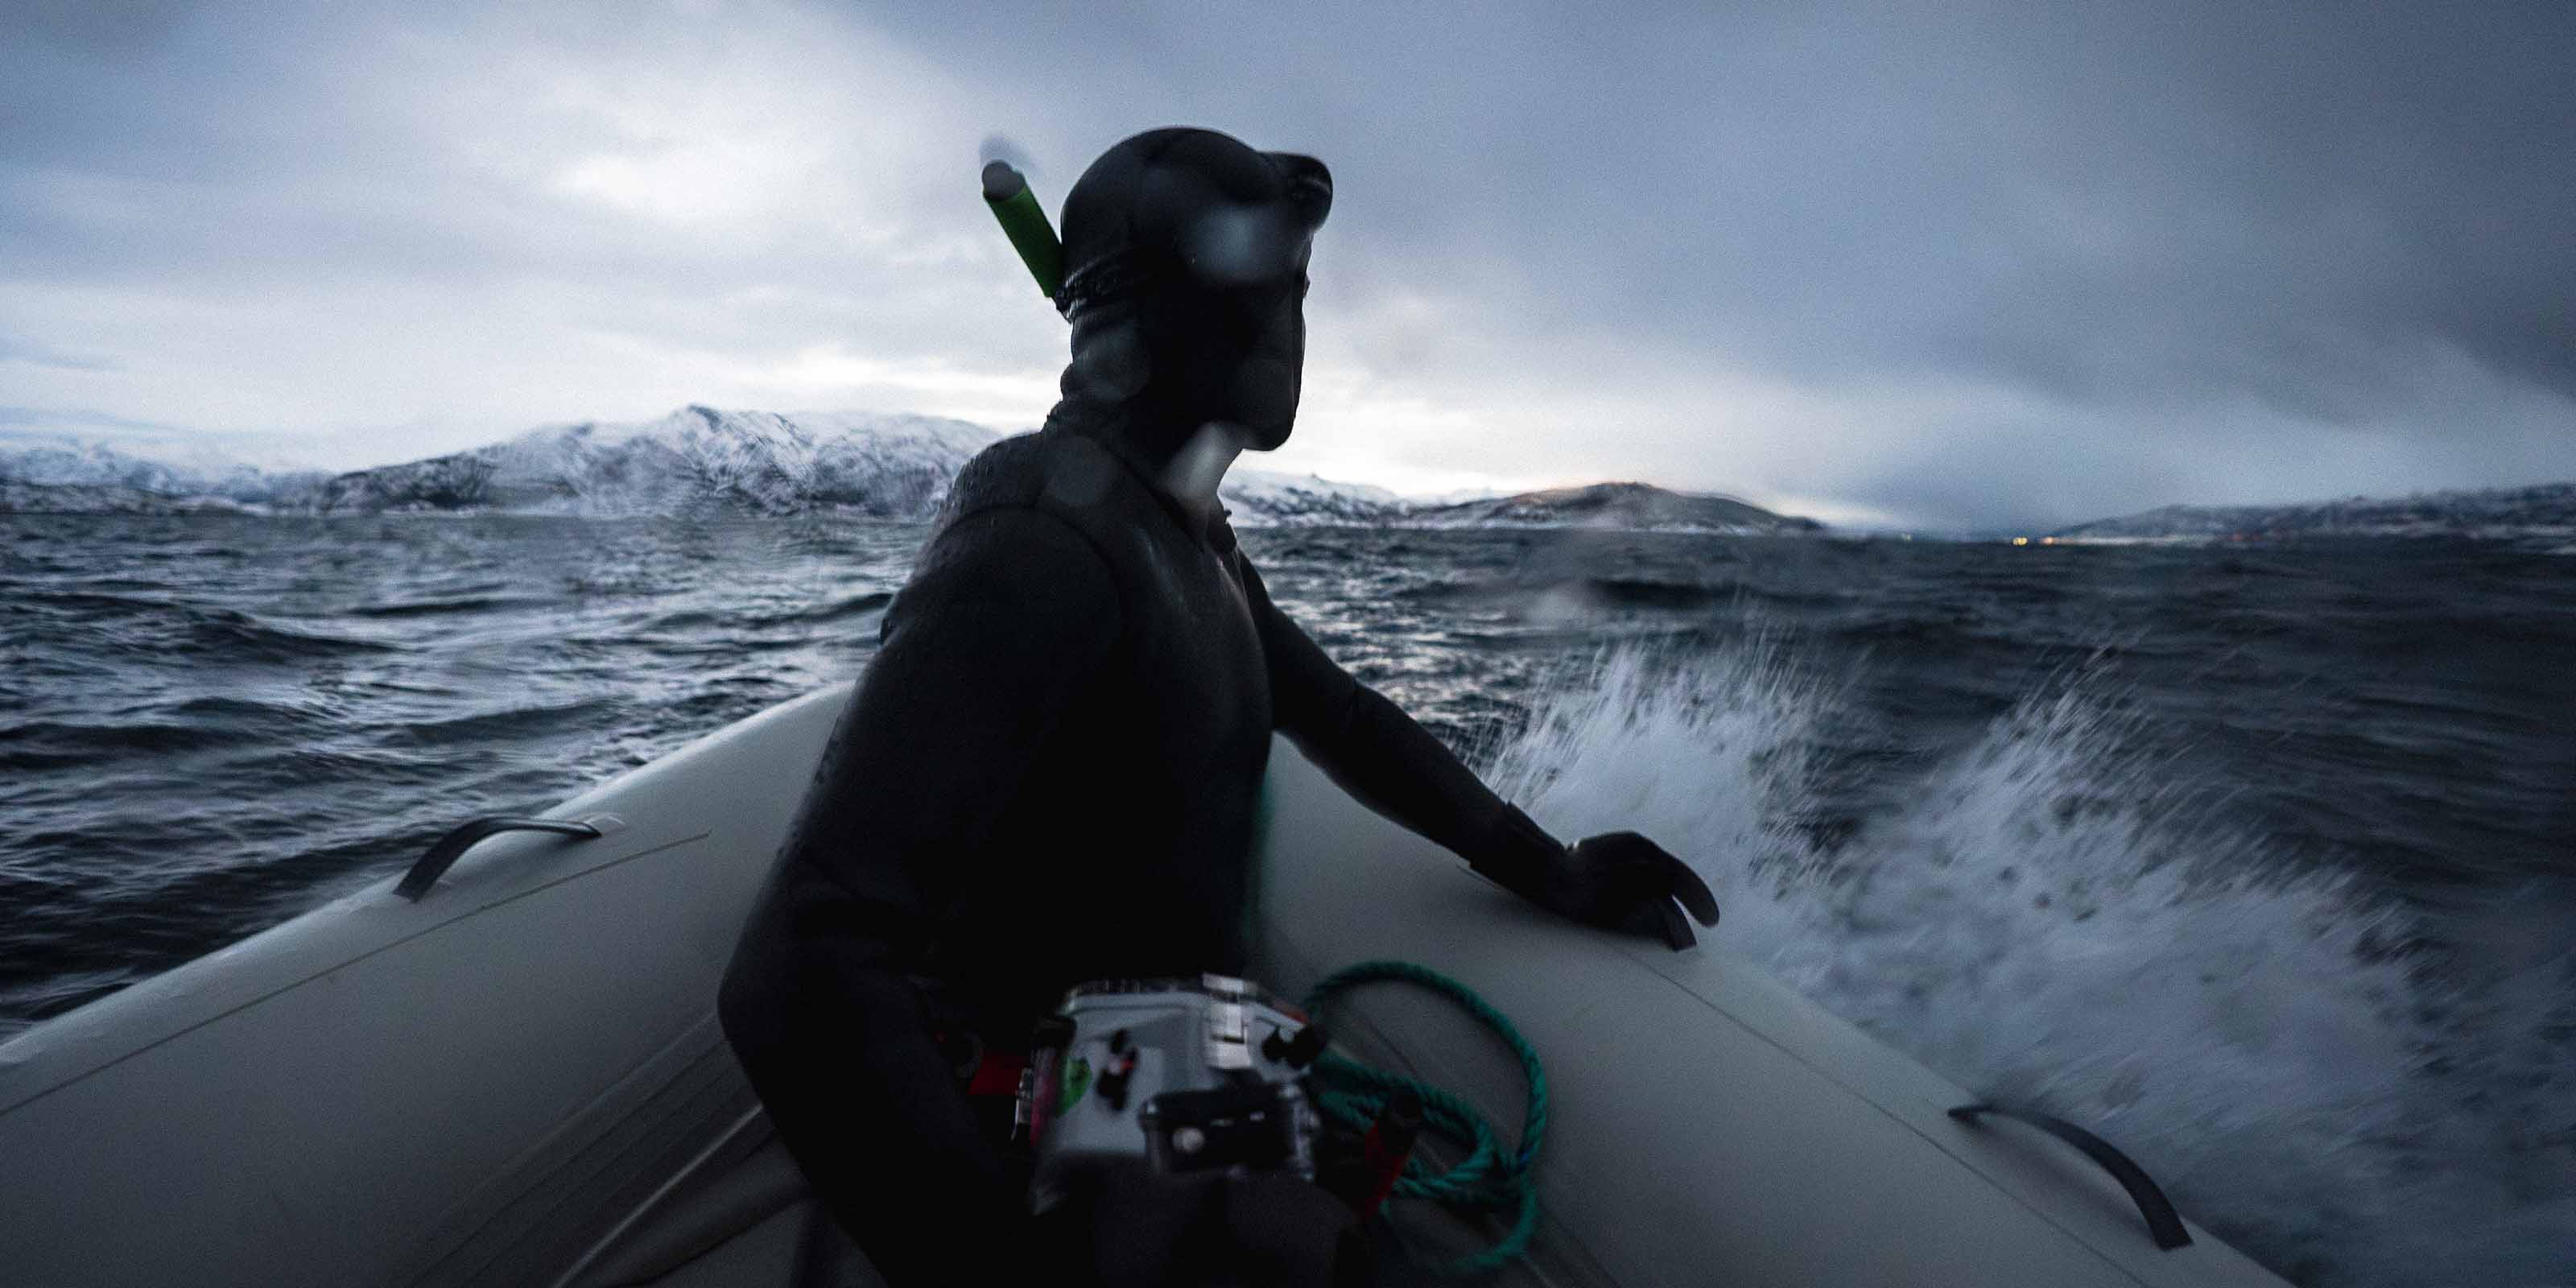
column 1026, row 489
column 1010, row 472
column 1064, row 474
column 1002, row 535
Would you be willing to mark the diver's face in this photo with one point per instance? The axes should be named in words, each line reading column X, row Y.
column 1246, row 264
column 1236, row 356
column 1270, row 376
column 1268, row 382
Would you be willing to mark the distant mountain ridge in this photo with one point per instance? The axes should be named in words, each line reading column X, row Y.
column 2543, row 513
column 697, row 460
column 1626, row 507
column 706, row 462
column 48, row 472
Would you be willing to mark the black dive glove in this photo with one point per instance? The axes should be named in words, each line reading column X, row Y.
column 1617, row 881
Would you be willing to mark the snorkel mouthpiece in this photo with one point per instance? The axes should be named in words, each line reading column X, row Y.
column 1006, row 190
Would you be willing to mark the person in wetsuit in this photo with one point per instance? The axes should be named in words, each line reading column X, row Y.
column 1050, row 770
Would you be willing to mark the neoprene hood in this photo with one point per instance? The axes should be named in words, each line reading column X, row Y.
column 1184, row 277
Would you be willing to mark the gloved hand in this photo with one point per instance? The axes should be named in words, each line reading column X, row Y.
column 1617, row 881
column 1622, row 881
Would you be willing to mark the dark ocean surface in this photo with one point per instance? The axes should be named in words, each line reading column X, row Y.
column 2259, row 860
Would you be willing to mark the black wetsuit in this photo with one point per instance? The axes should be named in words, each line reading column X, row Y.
column 1049, row 774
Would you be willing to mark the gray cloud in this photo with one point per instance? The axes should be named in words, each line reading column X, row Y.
column 1952, row 264
column 57, row 419
column 2172, row 226
column 13, row 349
column 120, row 28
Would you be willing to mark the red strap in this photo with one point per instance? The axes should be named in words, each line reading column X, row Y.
column 999, row 1074
column 1387, row 1148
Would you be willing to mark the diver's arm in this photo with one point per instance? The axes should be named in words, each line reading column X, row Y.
column 1005, row 620
column 1391, row 764
column 1382, row 757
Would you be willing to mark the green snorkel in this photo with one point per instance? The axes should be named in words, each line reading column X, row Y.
column 1007, row 191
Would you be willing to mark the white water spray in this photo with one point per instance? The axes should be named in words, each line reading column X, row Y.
column 2055, row 918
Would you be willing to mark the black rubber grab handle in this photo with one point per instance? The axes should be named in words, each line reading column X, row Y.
column 2162, row 1221
column 444, row 852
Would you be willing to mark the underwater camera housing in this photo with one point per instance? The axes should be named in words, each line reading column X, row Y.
column 1180, row 1076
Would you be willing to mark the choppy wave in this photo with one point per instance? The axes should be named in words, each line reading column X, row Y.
column 1575, row 595
column 445, row 605
column 845, row 606
column 287, row 709
column 176, row 626
column 2057, row 916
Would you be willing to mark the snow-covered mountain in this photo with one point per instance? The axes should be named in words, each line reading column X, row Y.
column 702, row 461
column 1261, row 499
column 696, row 461
column 122, row 479
column 2546, row 513
column 1627, row 507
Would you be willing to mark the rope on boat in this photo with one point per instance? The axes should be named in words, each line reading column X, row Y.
column 1489, row 1178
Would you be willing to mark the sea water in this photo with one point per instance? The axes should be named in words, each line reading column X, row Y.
column 2260, row 861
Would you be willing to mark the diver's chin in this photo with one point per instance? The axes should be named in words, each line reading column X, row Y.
column 1263, row 400
column 1255, row 436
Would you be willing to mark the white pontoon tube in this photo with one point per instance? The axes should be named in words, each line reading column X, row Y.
column 516, row 1078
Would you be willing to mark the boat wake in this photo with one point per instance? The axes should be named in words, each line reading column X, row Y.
column 2057, row 917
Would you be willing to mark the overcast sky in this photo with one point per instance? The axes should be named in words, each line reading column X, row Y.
column 1935, row 265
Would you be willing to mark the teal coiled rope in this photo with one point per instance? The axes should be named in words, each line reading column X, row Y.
column 1488, row 1179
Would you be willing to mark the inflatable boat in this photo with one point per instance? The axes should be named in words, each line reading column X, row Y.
column 503, row 1067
